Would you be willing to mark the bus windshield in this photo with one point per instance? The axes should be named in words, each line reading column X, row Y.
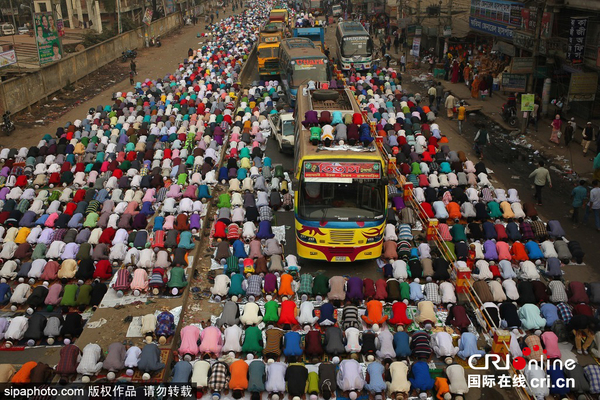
column 357, row 46
column 342, row 201
column 307, row 70
column 268, row 52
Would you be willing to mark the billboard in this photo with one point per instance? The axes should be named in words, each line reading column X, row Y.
column 46, row 38
column 495, row 17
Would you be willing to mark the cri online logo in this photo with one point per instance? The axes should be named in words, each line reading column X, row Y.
column 519, row 363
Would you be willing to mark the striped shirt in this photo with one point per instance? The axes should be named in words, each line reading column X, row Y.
column 420, row 346
column 405, row 232
column 350, row 318
column 558, row 292
column 273, row 342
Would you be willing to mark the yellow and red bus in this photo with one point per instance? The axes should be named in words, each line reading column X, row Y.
column 340, row 194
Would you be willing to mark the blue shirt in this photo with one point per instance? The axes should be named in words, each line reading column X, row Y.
column 376, row 383
column 550, row 313
column 533, row 250
column 401, row 344
column 182, row 372
column 291, row 341
column 578, row 194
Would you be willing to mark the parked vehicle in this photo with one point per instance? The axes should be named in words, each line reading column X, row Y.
column 128, row 54
column 336, row 10
column 23, row 30
column 509, row 114
column 282, row 126
column 157, row 41
column 7, row 29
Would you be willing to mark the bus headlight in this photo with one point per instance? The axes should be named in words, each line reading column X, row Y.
column 305, row 238
column 374, row 239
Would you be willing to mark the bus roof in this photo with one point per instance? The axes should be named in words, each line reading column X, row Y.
column 298, row 43
column 346, row 104
column 352, row 28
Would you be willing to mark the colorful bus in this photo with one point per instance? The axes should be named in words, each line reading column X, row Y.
column 340, row 196
column 354, row 46
column 300, row 62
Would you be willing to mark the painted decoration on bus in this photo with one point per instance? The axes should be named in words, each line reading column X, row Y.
column 353, row 170
column 271, row 39
column 318, row 61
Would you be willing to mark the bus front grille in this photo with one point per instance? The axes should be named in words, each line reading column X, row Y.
column 272, row 65
column 342, row 236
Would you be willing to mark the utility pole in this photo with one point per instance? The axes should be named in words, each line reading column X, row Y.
column 540, row 8
column 12, row 13
column 119, row 28
column 418, row 12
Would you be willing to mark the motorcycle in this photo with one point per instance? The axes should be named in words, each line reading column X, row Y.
column 128, row 54
column 7, row 125
column 151, row 42
column 157, row 42
column 509, row 114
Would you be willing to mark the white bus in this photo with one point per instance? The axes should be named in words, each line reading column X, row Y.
column 354, row 46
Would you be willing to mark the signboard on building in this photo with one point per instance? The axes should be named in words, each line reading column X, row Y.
column 523, row 40
column 46, row 38
column 495, row 17
column 8, row 58
column 576, row 46
column 522, row 65
column 447, row 31
column 514, row 82
column 529, row 21
column 583, row 86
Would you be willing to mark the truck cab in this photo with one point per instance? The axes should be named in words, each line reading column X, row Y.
column 282, row 126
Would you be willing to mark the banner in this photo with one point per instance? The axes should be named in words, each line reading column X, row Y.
column 416, row 46
column 46, row 37
column 577, row 32
column 8, row 58
column 527, row 102
column 147, row 16
column 529, row 21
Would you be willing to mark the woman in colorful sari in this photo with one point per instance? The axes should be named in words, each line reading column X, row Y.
column 556, row 125
column 475, row 87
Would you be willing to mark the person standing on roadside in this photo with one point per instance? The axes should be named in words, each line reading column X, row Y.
column 490, row 84
column 569, row 131
column 403, row 62
column 432, row 92
column 579, row 194
column 462, row 116
column 540, row 176
column 594, row 204
column 450, row 103
column 439, row 92
column 588, row 136
column 133, row 66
